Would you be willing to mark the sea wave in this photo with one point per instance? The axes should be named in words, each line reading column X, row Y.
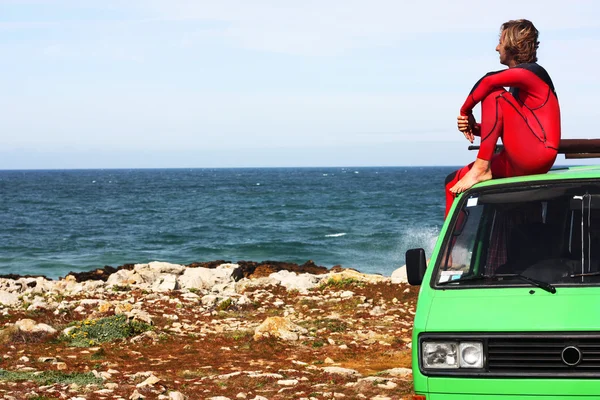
column 336, row 234
column 424, row 237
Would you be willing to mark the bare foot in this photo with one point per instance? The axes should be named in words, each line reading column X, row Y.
column 479, row 172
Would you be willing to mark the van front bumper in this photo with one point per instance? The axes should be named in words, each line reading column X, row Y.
column 511, row 388
column 445, row 396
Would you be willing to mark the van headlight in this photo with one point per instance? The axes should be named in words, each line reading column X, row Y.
column 451, row 354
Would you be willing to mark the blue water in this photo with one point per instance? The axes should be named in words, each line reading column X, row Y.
column 54, row 222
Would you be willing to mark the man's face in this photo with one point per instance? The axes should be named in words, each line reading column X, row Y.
column 504, row 56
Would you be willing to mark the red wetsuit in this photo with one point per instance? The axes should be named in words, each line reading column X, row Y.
column 527, row 119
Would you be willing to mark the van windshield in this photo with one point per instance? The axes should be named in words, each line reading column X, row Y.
column 549, row 232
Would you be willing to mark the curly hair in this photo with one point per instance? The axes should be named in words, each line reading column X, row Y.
column 520, row 40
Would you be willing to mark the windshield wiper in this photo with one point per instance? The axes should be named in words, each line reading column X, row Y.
column 585, row 274
column 542, row 285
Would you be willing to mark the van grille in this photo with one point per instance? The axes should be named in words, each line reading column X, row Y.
column 544, row 355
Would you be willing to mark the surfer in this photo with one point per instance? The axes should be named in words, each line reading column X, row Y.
column 526, row 118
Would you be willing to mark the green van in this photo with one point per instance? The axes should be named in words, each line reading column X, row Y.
column 509, row 304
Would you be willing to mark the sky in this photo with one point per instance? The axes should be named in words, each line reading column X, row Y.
column 266, row 83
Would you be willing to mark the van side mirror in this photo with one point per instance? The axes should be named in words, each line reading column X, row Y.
column 416, row 264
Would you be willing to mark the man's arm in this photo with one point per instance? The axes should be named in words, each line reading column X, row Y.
column 513, row 77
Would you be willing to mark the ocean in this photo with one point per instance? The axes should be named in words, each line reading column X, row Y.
column 56, row 221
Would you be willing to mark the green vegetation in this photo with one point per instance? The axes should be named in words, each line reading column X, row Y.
column 92, row 332
column 225, row 305
column 341, row 283
column 51, row 377
column 329, row 324
column 332, row 325
column 121, row 288
column 240, row 335
column 36, row 397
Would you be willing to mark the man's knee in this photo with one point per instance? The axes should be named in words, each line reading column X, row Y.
column 495, row 95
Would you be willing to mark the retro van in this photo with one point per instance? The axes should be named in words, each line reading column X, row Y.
column 509, row 303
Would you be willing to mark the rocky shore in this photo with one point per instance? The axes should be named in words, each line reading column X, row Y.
column 214, row 330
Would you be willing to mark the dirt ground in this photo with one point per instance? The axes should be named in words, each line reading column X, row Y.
column 363, row 329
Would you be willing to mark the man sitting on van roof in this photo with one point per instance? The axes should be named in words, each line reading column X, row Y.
column 527, row 117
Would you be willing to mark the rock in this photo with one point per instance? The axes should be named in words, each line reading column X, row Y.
column 265, row 375
column 224, row 289
column 354, row 275
column 123, row 308
column 247, row 284
column 204, row 278
column 292, row 281
column 9, row 299
column 139, row 315
column 61, row 366
column 67, row 331
column 279, row 327
column 341, row 371
column 399, row 275
column 208, row 264
column 105, row 307
column 164, row 283
column 100, row 274
column 105, row 375
column 149, row 276
column 176, row 396
column 30, row 326
column 253, row 270
column 401, row 372
column 123, row 278
column 287, row 382
column 161, row 268
column 377, row 311
column 190, row 296
column 151, row 380
column 136, row 396
column 209, row 300
column 387, row 385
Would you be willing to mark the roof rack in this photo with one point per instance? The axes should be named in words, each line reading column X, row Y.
column 571, row 148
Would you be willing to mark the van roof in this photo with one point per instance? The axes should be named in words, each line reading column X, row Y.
column 572, row 149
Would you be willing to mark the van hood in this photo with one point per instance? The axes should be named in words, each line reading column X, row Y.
column 514, row 310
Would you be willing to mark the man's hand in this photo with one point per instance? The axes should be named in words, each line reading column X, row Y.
column 466, row 125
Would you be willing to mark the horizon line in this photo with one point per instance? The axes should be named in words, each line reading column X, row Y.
column 263, row 167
